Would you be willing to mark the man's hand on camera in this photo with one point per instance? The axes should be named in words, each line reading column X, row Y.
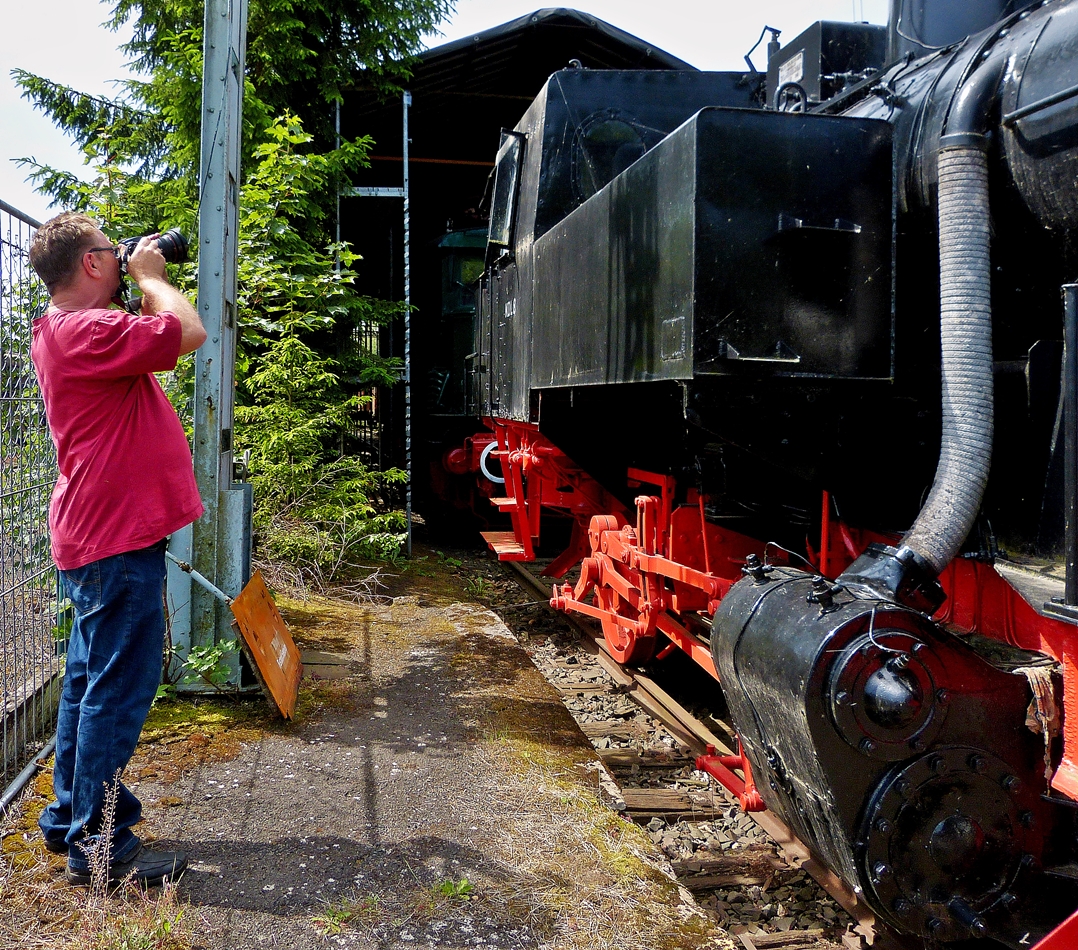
column 146, row 267
column 146, row 262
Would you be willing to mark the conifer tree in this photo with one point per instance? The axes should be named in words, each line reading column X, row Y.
column 315, row 503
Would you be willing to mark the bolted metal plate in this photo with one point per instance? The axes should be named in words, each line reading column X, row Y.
column 883, row 693
column 945, row 837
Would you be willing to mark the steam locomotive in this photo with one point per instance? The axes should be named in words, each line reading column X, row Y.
column 795, row 354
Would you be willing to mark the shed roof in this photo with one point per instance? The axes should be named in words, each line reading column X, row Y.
column 596, row 43
column 514, row 59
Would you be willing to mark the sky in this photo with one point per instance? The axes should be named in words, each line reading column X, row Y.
column 63, row 40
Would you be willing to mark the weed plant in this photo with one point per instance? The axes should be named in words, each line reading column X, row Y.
column 37, row 912
column 100, row 855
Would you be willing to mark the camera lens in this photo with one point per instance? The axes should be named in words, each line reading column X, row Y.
column 173, row 246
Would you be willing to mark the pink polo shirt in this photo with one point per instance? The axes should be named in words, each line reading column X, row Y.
column 126, row 479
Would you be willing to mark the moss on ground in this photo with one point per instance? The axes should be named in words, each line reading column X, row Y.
column 181, row 734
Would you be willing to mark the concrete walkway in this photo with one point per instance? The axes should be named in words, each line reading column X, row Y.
column 432, row 791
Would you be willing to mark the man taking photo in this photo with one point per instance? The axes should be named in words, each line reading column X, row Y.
column 125, row 483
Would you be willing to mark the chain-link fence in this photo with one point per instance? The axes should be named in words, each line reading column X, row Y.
column 30, row 636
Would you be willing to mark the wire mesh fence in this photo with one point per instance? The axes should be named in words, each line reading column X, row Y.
column 30, row 648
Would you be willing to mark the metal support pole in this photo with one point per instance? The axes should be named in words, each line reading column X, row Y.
column 218, row 544
column 407, row 334
column 1068, row 608
column 337, row 144
column 402, row 192
column 1070, row 438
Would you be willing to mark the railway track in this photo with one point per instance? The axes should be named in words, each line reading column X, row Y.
column 695, row 735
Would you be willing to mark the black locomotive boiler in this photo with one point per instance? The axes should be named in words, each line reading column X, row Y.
column 797, row 357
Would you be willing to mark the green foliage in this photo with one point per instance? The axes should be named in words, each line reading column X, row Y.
column 94, row 122
column 209, row 664
column 337, row 915
column 150, row 920
column 295, row 403
column 461, row 890
column 142, row 933
column 478, row 587
column 299, row 57
column 65, row 619
column 288, row 283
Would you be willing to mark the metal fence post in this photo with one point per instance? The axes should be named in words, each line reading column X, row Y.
column 218, row 545
column 407, row 331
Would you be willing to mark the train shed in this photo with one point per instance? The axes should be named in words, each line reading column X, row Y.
column 462, row 94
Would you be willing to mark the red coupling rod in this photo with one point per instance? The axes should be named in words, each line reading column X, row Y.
column 720, row 767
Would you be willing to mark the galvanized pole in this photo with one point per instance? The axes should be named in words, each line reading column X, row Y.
column 1070, row 440
column 337, row 144
column 407, row 333
column 218, row 544
column 402, row 192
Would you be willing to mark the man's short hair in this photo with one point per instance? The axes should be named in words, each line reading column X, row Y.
column 58, row 245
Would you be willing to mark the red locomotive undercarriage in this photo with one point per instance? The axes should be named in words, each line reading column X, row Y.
column 653, row 581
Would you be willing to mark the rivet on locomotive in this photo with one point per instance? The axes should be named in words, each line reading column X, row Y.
column 796, row 355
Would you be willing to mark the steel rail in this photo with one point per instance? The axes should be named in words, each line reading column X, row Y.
column 697, row 737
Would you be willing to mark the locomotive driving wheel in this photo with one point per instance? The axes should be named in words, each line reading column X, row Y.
column 621, row 592
column 628, row 628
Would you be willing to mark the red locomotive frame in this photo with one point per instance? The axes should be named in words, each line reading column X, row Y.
column 649, row 582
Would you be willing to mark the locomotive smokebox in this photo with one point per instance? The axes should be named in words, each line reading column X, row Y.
column 1015, row 81
column 867, row 727
column 1040, row 114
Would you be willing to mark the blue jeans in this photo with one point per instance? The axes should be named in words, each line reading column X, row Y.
column 114, row 661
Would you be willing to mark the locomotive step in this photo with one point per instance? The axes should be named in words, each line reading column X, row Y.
column 504, row 502
column 505, row 545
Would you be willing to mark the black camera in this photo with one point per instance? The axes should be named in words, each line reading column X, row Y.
column 172, row 245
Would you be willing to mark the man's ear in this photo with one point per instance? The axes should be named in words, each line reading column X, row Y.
column 91, row 266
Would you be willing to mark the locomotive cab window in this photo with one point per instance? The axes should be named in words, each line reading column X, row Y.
column 506, row 182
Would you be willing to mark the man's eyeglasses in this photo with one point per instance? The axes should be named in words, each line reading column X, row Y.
column 113, row 250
